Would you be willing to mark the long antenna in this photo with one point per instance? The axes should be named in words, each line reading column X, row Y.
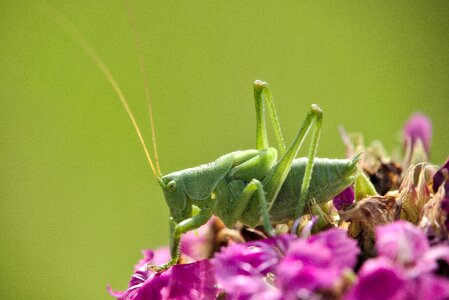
column 90, row 51
column 138, row 44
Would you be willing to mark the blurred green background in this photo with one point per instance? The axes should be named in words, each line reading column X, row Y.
column 78, row 200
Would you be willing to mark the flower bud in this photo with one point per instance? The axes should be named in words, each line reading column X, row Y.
column 418, row 128
column 345, row 198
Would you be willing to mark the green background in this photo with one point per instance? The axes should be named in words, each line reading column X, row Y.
column 78, row 201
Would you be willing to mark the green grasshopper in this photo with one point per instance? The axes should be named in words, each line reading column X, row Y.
column 252, row 186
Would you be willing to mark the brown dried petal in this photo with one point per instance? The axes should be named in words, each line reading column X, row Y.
column 375, row 210
column 408, row 198
column 434, row 217
column 366, row 214
column 423, row 189
column 414, row 191
column 387, row 177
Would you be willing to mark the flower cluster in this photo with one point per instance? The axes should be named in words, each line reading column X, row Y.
column 289, row 267
column 383, row 237
column 286, row 267
column 283, row 267
column 404, row 267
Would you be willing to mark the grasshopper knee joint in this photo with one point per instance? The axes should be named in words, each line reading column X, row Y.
column 316, row 109
column 260, row 84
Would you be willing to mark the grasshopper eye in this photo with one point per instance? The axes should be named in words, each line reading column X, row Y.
column 171, row 186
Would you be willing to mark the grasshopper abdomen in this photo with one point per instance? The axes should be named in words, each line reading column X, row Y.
column 329, row 178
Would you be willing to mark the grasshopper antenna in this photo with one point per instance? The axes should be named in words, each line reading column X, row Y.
column 138, row 43
column 90, row 51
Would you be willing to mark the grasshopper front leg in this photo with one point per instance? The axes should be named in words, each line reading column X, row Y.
column 176, row 231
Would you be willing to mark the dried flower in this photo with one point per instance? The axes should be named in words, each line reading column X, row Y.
column 414, row 191
column 440, row 177
column 387, row 177
column 365, row 215
column 435, row 216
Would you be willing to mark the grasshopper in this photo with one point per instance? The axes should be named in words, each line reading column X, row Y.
column 260, row 186
column 253, row 186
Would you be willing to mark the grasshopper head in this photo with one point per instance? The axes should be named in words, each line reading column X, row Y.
column 176, row 196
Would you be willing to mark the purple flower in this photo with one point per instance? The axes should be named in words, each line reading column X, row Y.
column 379, row 278
column 140, row 273
column 245, row 259
column 306, row 268
column 184, row 281
column 401, row 242
column 345, row 198
column 344, row 248
column 408, row 246
column 404, row 267
column 241, row 269
column 316, row 263
column 156, row 257
column 428, row 287
column 418, row 127
column 198, row 244
column 284, row 267
column 438, row 252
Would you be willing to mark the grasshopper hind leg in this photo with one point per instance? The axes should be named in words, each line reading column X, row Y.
column 262, row 91
column 274, row 181
column 276, row 178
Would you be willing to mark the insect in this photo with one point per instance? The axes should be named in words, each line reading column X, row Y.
column 253, row 186
column 260, row 186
